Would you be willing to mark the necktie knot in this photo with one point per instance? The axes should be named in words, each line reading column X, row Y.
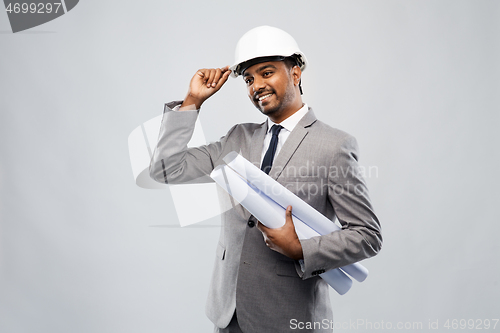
column 275, row 130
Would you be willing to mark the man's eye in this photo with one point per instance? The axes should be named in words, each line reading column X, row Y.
column 248, row 81
column 267, row 73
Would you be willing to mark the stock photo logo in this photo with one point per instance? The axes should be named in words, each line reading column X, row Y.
column 25, row 15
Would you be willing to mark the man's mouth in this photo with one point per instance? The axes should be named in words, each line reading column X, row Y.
column 264, row 97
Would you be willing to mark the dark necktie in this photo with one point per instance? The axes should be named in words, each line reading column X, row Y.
column 267, row 162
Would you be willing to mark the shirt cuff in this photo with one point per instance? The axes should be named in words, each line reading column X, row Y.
column 176, row 105
column 308, row 265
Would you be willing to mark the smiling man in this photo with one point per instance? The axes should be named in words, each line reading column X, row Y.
column 266, row 280
column 271, row 87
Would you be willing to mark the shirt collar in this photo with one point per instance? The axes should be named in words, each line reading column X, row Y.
column 290, row 122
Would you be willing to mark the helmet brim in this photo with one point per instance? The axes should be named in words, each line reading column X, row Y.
column 239, row 68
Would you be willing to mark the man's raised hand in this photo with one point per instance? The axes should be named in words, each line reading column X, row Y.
column 204, row 84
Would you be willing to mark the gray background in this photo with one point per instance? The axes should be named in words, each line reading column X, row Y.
column 83, row 249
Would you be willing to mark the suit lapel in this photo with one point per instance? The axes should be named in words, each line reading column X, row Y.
column 292, row 143
column 255, row 144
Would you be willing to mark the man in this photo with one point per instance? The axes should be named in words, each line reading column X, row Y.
column 266, row 280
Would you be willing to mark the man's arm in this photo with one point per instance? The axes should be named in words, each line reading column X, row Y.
column 360, row 236
column 172, row 161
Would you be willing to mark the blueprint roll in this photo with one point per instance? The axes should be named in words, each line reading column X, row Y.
column 238, row 188
column 271, row 215
column 284, row 197
column 266, row 210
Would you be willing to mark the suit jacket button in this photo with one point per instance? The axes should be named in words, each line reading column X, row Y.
column 318, row 272
column 251, row 224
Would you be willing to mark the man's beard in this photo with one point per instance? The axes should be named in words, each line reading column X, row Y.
column 281, row 106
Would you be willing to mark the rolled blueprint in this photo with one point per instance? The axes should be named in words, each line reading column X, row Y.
column 271, row 215
column 319, row 223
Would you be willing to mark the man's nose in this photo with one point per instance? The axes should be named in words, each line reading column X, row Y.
column 258, row 84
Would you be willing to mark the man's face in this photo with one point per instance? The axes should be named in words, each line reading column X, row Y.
column 271, row 88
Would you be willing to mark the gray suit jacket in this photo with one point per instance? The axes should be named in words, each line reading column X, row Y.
column 319, row 164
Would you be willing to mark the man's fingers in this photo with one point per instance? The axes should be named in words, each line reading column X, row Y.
column 288, row 214
column 204, row 75
column 205, row 83
column 216, row 77
column 261, row 227
column 223, row 79
column 201, row 73
column 211, row 75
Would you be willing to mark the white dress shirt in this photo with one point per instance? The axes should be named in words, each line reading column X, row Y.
column 288, row 126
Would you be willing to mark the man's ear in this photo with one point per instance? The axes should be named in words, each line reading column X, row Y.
column 296, row 73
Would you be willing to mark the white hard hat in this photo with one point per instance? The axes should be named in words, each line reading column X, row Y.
column 262, row 44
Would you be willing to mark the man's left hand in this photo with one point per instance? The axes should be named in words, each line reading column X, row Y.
column 283, row 240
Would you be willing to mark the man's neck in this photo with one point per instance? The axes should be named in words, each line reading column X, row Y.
column 291, row 121
column 284, row 115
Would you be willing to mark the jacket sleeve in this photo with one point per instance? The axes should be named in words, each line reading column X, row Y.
column 360, row 236
column 172, row 161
